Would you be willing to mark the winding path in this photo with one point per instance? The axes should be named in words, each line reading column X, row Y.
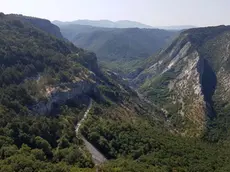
column 84, row 117
column 97, row 157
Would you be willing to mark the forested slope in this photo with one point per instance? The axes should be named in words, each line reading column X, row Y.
column 46, row 84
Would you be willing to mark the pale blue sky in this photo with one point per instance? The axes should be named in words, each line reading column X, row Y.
column 152, row 12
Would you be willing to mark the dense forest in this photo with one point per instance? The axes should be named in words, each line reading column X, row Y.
column 133, row 134
column 141, row 144
column 31, row 142
column 33, row 62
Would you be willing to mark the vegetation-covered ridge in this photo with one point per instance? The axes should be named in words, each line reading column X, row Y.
column 115, row 47
column 45, row 85
column 31, row 60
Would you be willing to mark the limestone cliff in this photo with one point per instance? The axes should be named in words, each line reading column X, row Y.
column 79, row 90
column 189, row 78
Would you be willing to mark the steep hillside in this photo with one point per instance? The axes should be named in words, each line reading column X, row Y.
column 118, row 49
column 190, row 80
column 72, row 30
column 45, row 85
column 123, row 43
column 105, row 23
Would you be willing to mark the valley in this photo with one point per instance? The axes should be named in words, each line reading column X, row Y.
column 144, row 99
column 121, row 49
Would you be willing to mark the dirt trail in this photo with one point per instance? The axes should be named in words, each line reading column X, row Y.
column 97, row 157
column 84, row 117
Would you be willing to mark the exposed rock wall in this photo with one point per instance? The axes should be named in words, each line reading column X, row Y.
column 190, row 88
column 57, row 96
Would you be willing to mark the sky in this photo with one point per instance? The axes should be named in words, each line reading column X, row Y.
column 151, row 12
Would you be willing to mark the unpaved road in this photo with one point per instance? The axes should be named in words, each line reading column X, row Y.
column 84, row 117
column 97, row 157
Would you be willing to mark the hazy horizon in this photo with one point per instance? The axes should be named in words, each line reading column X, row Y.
column 149, row 12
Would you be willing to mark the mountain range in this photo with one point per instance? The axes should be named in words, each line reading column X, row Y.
column 120, row 24
column 118, row 47
column 179, row 27
column 172, row 115
column 105, row 23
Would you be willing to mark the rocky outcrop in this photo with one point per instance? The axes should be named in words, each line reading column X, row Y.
column 89, row 60
column 187, row 78
column 79, row 91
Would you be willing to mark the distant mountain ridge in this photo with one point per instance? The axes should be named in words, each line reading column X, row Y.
column 123, row 47
column 177, row 27
column 106, row 23
column 123, row 43
column 120, row 24
column 70, row 31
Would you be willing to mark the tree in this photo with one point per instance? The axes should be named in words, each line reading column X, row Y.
column 44, row 145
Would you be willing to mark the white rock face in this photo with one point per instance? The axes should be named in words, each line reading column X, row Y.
column 182, row 53
column 188, row 91
column 191, row 79
column 57, row 95
column 185, row 88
